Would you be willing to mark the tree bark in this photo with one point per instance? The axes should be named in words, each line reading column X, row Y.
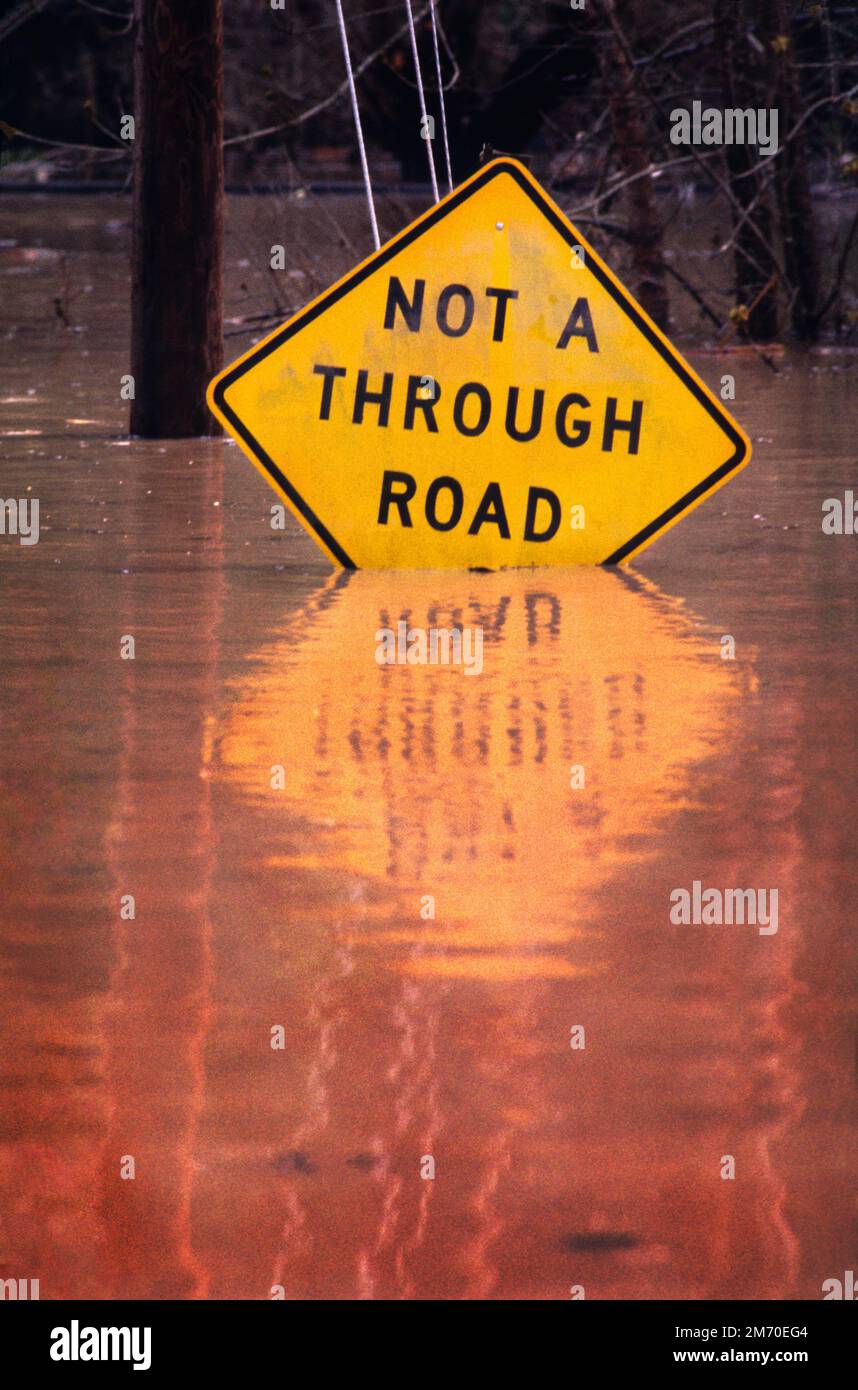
column 751, row 261
column 645, row 230
column 801, row 252
column 177, row 255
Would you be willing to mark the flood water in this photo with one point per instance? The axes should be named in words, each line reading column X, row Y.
column 281, row 809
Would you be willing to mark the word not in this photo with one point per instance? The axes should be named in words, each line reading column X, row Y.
column 78, row 1343
column 579, row 323
column 435, row 646
column 20, row 517
column 712, row 907
column 840, row 517
column 729, row 127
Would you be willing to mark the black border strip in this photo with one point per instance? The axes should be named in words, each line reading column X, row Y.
column 386, row 254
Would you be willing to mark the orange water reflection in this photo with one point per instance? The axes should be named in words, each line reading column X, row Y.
column 408, row 1035
column 450, row 1036
column 420, row 780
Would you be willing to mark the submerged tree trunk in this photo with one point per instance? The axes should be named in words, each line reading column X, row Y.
column 645, row 231
column 753, row 267
column 177, row 257
column 801, row 253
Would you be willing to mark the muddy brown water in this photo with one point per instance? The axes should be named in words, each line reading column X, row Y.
column 298, row 907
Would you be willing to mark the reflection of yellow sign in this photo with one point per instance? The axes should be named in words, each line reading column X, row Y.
column 481, row 392
column 514, row 795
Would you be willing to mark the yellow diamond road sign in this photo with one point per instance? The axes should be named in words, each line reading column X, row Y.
column 481, row 392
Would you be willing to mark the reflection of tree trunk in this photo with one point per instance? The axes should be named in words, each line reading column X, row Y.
column 801, row 256
column 645, row 229
column 752, row 261
column 177, row 298
column 160, row 846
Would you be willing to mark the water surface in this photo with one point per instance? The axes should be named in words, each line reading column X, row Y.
column 303, row 905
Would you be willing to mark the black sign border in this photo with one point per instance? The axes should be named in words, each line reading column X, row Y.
column 381, row 258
